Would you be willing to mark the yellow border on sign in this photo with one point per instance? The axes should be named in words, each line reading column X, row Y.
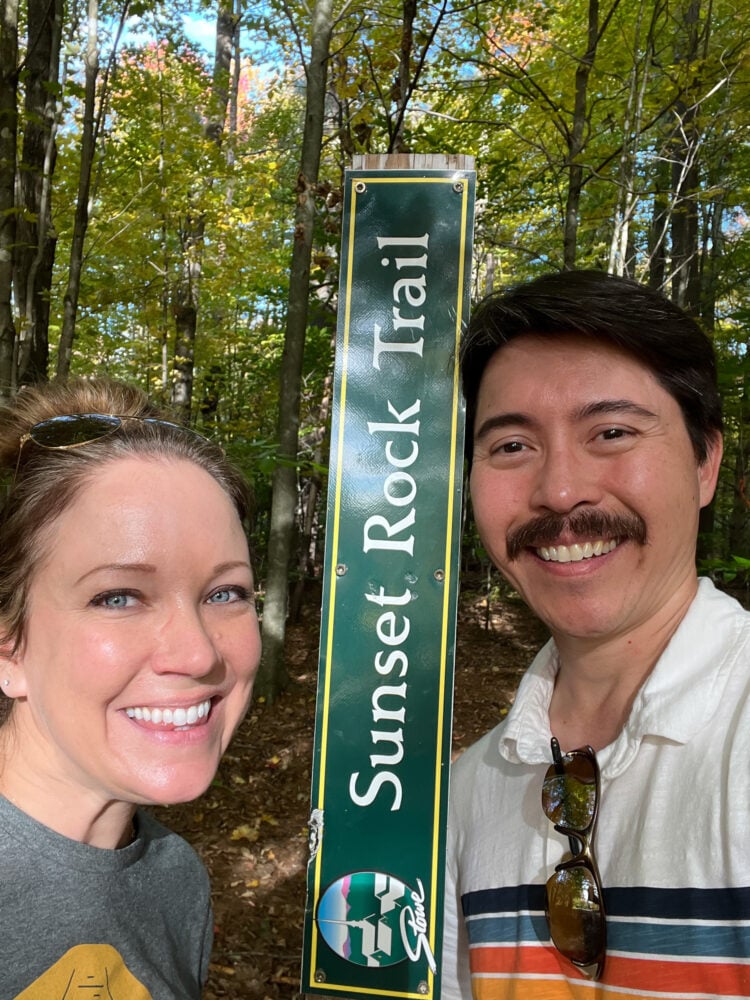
column 448, row 559
column 459, row 175
column 332, row 582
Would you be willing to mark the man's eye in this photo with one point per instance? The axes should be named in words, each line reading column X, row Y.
column 612, row 433
column 509, row 448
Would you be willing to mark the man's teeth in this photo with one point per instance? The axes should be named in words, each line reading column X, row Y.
column 177, row 717
column 575, row 553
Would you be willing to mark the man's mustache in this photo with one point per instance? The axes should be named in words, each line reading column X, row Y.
column 584, row 524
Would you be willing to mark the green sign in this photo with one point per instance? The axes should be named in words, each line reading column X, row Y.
column 373, row 921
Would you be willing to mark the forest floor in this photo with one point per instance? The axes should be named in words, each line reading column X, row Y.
column 251, row 826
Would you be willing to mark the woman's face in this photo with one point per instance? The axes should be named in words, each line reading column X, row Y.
column 142, row 640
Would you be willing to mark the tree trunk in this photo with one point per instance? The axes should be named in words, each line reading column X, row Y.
column 306, row 553
column 628, row 196
column 92, row 122
column 273, row 677
column 577, row 140
column 576, row 136
column 36, row 238
column 406, row 79
column 709, row 539
column 685, row 174
column 8, row 145
column 403, row 84
column 713, row 249
column 191, row 236
column 81, row 220
column 740, row 513
column 658, row 228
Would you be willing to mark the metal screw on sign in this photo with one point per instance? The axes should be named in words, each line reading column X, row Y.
column 458, row 187
column 341, row 569
column 439, row 575
column 360, row 187
column 320, row 976
column 422, row 988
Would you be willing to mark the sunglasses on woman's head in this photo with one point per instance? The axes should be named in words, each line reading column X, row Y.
column 74, row 430
column 574, row 906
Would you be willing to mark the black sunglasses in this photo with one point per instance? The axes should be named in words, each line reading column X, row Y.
column 73, row 430
column 574, row 905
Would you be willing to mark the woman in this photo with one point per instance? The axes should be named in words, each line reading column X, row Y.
column 128, row 647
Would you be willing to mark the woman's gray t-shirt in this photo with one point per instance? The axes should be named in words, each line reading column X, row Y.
column 136, row 921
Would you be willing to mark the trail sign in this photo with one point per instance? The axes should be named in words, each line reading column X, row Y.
column 373, row 919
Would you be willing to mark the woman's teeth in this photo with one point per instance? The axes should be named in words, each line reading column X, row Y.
column 179, row 718
column 575, row 553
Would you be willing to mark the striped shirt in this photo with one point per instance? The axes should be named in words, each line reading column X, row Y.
column 672, row 842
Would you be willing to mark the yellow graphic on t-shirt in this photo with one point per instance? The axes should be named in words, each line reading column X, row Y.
column 93, row 971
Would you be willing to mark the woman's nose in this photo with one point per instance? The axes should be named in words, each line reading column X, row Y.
column 186, row 645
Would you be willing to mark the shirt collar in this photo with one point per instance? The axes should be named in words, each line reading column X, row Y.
column 677, row 699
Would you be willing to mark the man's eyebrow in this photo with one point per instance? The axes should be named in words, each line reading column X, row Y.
column 500, row 420
column 603, row 407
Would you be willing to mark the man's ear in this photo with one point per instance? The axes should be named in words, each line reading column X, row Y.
column 708, row 470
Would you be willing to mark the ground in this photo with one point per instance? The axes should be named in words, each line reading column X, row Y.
column 250, row 828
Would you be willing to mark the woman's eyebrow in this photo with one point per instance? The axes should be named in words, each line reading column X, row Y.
column 135, row 567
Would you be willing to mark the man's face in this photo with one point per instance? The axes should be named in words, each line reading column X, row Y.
column 585, row 486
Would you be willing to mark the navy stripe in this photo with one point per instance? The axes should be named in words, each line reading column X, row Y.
column 507, row 900
column 679, row 904
column 669, row 904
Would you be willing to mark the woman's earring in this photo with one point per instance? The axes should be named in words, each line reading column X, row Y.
column 6, row 682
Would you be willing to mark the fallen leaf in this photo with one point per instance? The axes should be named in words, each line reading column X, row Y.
column 244, row 832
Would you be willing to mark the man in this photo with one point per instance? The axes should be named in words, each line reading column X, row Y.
column 594, row 430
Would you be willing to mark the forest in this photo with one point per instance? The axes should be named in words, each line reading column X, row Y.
column 171, row 188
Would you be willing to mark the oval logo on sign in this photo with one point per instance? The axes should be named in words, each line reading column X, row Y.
column 374, row 920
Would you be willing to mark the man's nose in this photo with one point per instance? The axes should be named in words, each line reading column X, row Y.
column 565, row 479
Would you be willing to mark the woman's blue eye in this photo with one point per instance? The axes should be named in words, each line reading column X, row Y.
column 227, row 595
column 114, row 599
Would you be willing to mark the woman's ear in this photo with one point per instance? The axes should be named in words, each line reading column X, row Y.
column 12, row 675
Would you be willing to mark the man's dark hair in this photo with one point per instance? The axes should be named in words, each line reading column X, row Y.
column 604, row 307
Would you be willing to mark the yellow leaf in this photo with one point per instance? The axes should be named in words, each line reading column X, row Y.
column 244, row 832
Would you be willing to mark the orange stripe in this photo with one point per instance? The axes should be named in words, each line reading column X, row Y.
column 538, row 960
column 653, row 975
column 675, row 976
column 543, row 989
